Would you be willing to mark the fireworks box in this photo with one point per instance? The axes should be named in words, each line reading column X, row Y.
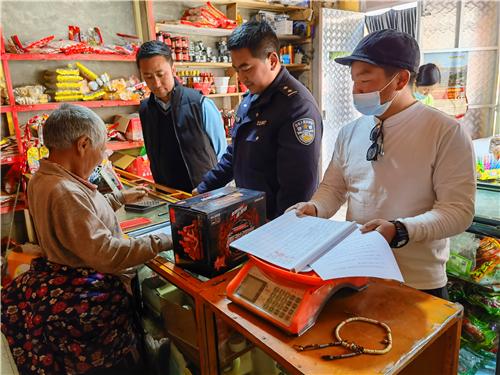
column 205, row 225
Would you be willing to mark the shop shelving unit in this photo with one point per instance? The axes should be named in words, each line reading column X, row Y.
column 204, row 362
column 232, row 9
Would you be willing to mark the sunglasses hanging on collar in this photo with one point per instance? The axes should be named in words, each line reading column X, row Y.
column 377, row 139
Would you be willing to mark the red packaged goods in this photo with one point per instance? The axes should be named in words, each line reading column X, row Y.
column 40, row 43
column 207, row 16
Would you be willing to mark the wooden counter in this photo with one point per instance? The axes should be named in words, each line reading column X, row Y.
column 425, row 331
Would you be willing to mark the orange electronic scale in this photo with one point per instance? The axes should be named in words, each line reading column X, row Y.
column 291, row 301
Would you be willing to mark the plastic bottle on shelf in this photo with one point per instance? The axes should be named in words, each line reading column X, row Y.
column 243, row 364
column 262, row 363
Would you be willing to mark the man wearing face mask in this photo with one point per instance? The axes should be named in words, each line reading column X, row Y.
column 406, row 170
column 276, row 140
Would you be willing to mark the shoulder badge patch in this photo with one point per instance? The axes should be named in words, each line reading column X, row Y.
column 305, row 130
column 288, row 91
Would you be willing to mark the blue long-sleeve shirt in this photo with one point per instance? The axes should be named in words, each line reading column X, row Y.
column 213, row 125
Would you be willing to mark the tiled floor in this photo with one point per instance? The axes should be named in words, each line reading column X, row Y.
column 8, row 365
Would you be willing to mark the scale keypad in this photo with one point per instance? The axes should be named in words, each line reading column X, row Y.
column 281, row 303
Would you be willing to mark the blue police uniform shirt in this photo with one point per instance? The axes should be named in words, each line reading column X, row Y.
column 275, row 148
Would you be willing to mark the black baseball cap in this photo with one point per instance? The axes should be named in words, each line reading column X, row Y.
column 386, row 47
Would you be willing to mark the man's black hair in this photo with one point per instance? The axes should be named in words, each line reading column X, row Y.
column 154, row 48
column 391, row 71
column 257, row 36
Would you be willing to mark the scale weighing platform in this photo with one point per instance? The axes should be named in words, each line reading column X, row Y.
column 291, row 301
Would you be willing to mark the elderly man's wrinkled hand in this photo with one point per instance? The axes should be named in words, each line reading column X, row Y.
column 304, row 209
column 135, row 194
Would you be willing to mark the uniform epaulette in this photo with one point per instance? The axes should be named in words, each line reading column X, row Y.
column 288, row 90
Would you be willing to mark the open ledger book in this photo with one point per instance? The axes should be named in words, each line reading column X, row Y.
column 333, row 249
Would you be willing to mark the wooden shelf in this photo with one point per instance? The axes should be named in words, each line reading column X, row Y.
column 190, row 30
column 123, row 145
column 89, row 104
column 267, row 6
column 228, row 65
column 297, row 67
column 295, row 39
column 224, row 95
column 208, row 31
column 290, row 38
column 62, row 56
column 257, row 5
column 208, row 65
column 226, row 357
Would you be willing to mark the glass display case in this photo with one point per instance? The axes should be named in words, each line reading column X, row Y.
column 487, row 215
column 177, row 331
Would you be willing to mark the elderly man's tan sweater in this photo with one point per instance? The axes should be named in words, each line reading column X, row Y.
column 76, row 225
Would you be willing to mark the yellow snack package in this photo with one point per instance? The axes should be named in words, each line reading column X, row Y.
column 86, row 72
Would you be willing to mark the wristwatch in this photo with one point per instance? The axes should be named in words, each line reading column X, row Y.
column 401, row 237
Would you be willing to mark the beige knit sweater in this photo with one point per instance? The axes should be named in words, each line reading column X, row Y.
column 76, row 225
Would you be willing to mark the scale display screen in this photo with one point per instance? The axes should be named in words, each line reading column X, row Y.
column 250, row 288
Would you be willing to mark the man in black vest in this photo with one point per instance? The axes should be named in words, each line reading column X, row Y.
column 276, row 140
column 183, row 130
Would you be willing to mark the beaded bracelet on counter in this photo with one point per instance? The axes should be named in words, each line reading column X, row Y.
column 352, row 346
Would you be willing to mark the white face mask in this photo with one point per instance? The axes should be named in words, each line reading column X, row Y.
column 369, row 103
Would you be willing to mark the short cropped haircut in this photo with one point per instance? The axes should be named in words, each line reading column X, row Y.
column 70, row 122
column 154, row 48
column 257, row 36
column 391, row 71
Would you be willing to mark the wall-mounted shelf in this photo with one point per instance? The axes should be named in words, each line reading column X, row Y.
column 208, row 65
column 63, row 57
column 14, row 109
column 290, row 38
column 297, row 67
column 224, row 95
column 295, row 39
column 190, row 30
column 123, row 145
column 210, row 31
column 248, row 5
column 89, row 104
column 267, row 6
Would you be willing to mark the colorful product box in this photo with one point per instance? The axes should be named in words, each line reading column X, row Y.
column 205, row 225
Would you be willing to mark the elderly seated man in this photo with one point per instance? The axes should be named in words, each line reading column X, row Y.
column 71, row 313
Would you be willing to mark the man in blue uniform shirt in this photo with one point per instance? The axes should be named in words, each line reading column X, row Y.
column 276, row 140
column 183, row 130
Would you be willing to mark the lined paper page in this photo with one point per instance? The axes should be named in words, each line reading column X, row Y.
column 293, row 242
column 359, row 254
